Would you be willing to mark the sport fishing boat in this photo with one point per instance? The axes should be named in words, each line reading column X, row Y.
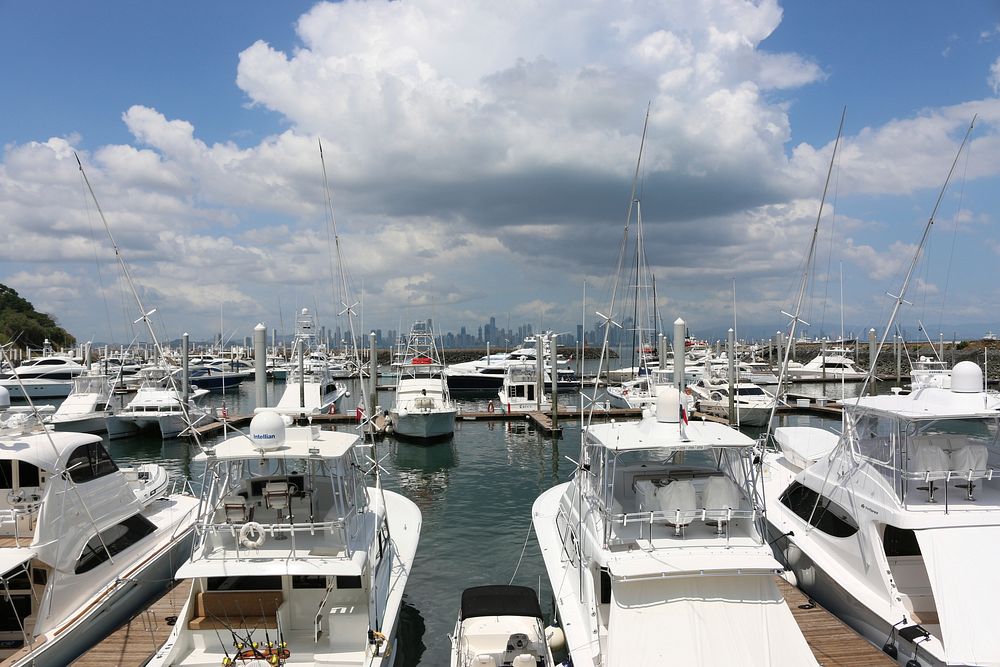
column 295, row 560
column 655, row 550
column 84, row 544
column 423, row 407
column 156, row 408
column 500, row 625
column 310, row 386
column 519, row 392
column 834, row 364
column 487, row 372
column 753, row 405
column 87, row 406
column 894, row 524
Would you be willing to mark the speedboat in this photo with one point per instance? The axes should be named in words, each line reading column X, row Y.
column 519, row 392
column 423, row 407
column 85, row 544
column 894, row 524
column 500, row 625
column 656, row 553
column 295, row 560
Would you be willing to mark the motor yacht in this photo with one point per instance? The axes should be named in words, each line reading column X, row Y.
column 834, row 364
column 893, row 524
column 310, row 386
column 655, row 551
column 753, row 405
column 84, row 544
column 519, row 392
column 423, row 407
column 86, row 408
column 487, row 372
column 48, row 376
column 157, row 408
column 500, row 625
column 295, row 560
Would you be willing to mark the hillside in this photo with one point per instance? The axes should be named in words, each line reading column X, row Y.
column 20, row 322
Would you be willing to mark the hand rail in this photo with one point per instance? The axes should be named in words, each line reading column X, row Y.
column 319, row 612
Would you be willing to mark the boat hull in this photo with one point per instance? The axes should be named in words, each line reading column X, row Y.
column 169, row 426
column 38, row 388
column 93, row 423
column 424, row 425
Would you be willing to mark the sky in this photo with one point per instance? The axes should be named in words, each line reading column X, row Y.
column 480, row 160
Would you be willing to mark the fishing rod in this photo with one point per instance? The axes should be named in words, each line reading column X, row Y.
column 228, row 661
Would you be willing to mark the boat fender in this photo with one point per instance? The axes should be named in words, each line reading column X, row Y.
column 807, row 577
column 333, row 409
column 490, row 408
column 793, row 554
column 252, row 535
column 555, row 637
column 789, row 576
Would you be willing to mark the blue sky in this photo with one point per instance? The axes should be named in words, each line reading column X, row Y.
column 480, row 157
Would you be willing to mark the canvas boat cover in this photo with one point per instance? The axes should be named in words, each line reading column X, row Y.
column 706, row 621
column 961, row 566
column 499, row 601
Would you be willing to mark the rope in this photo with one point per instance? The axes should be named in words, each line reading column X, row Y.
column 523, row 548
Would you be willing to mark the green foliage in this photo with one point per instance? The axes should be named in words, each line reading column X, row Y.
column 21, row 322
column 961, row 345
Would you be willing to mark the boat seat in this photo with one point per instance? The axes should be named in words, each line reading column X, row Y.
column 968, row 459
column 484, row 660
column 236, row 510
column 215, row 610
column 524, row 660
column 719, row 496
column 679, row 502
column 934, row 463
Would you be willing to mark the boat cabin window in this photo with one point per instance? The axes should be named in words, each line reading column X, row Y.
column 605, row 586
column 749, row 391
column 113, row 541
column 875, row 437
column 89, row 462
column 27, row 474
column 819, row 511
column 270, row 583
column 308, row 581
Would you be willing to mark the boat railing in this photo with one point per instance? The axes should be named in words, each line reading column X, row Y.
column 268, row 531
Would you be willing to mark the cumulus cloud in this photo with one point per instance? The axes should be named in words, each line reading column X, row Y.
column 994, row 77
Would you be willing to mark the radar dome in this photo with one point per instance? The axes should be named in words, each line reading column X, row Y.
column 4, row 398
column 668, row 405
column 267, row 430
column 966, row 378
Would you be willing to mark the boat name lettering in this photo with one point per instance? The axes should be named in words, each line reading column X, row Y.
column 872, row 510
column 263, row 436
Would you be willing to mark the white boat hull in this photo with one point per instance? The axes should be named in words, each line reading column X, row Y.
column 38, row 388
column 429, row 424
column 93, row 423
column 169, row 425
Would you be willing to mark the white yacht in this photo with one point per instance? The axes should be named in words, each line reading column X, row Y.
column 156, row 408
column 296, row 561
column 519, row 392
column 753, row 404
column 835, row 364
column 423, row 407
column 87, row 406
column 656, row 553
column 48, row 376
column 487, row 372
column 84, row 544
column 894, row 525
column 500, row 625
column 310, row 386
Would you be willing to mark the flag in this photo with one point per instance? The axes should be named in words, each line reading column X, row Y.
column 684, row 414
column 225, row 413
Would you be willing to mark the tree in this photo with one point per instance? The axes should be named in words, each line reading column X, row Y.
column 19, row 321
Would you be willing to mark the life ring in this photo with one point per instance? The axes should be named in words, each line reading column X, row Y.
column 333, row 409
column 490, row 408
column 249, row 542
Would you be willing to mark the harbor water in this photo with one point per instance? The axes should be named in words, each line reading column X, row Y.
column 475, row 491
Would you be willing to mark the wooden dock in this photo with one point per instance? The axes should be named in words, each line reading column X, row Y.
column 833, row 643
column 135, row 642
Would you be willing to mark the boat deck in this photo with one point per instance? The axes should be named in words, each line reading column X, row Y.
column 832, row 642
column 135, row 642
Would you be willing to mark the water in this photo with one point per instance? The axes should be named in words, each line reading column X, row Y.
column 475, row 492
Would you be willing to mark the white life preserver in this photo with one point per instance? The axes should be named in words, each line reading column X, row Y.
column 254, row 528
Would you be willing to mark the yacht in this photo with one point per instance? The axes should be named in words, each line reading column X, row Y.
column 48, row 376
column 835, row 364
column 894, row 524
column 656, row 551
column 487, row 372
column 310, row 386
column 295, row 560
column 500, row 625
column 154, row 407
column 519, row 392
column 753, row 405
column 84, row 544
column 423, row 407
column 87, row 406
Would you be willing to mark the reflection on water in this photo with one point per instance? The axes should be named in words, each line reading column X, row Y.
column 423, row 470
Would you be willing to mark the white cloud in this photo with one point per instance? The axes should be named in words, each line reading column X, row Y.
column 994, row 77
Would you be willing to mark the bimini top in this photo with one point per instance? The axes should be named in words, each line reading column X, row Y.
column 499, row 601
column 966, row 398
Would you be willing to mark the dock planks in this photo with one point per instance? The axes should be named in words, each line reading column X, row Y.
column 833, row 643
column 135, row 642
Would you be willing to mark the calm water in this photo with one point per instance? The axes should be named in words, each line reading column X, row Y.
column 475, row 492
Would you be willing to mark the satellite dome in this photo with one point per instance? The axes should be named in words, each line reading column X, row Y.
column 668, row 405
column 267, row 430
column 966, row 378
